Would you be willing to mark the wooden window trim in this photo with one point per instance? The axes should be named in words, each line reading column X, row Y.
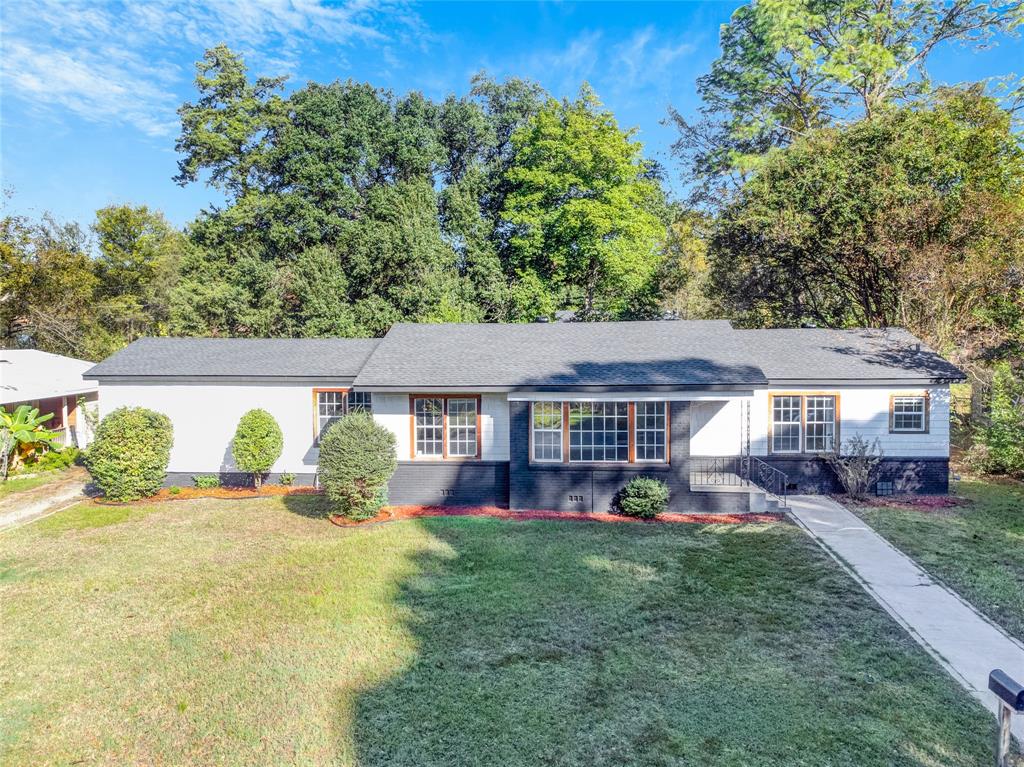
column 803, row 395
column 444, row 427
column 631, row 418
column 926, row 396
column 316, row 407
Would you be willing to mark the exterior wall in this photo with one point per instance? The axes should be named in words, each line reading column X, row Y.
column 392, row 411
column 205, row 417
column 717, row 428
column 575, row 487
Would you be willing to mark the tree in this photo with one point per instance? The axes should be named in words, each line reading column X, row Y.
column 1001, row 435
column 257, row 444
column 137, row 266
column 586, row 214
column 790, row 66
column 129, row 455
column 357, row 458
column 912, row 218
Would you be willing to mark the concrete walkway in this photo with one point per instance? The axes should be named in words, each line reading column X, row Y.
column 18, row 508
column 965, row 642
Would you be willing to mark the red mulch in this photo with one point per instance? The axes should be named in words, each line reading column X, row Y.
column 395, row 513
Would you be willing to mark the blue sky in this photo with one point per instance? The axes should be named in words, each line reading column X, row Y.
column 89, row 89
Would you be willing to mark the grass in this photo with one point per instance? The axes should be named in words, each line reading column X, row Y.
column 16, row 484
column 253, row 632
column 976, row 548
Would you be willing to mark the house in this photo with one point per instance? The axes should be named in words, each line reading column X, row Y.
column 561, row 415
column 53, row 384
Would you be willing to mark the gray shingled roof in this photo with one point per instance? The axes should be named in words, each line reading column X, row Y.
column 561, row 354
column 893, row 354
column 238, row 358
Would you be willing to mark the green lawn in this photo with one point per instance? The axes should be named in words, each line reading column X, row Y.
column 16, row 484
column 253, row 632
column 978, row 548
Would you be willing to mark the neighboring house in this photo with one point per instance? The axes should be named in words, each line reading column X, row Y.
column 51, row 383
column 561, row 415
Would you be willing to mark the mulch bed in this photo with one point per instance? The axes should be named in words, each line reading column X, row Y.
column 396, row 513
column 925, row 503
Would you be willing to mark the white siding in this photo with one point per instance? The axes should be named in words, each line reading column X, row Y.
column 392, row 411
column 205, row 416
column 865, row 411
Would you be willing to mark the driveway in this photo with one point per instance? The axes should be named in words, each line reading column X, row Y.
column 21, row 507
column 965, row 642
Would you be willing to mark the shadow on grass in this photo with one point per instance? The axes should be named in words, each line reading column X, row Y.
column 312, row 505
column 576, row 644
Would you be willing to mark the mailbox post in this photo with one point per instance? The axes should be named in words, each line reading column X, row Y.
column 1011, row 701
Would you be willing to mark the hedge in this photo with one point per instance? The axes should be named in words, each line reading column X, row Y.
column 257, row 444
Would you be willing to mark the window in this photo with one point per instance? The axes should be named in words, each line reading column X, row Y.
column 462, row 427
column 429, row 421
column 909, row 414
column 821, row 424
column 651, row 429
column 360, row 400
column 547, row 431
column 598, row 431
column 445, row 426
column 330, row 406
column 786, row 424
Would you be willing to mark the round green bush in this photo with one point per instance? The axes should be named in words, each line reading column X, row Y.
column 128, row 458
column 643, row 497
column 357, row 458
column 257, row 444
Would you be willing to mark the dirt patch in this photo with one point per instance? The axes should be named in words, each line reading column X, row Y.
column 924, row 503
column 226, row 493
column 396, row 513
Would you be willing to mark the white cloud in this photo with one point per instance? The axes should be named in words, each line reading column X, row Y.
column 643, row 59
column 115, row 62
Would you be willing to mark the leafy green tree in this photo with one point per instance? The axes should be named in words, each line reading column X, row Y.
column 586, row 213
column 791, row 66
column 257, row 444
column 1001, row 436
column 911, row 218
column 137, row 266
column 22, row 432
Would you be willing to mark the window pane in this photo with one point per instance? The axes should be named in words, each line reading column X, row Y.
column 462, row 427
column 908, row 413
column 429, row 414
column 650, row 431
column 786, row 424
column 598, row 431
column 547, row 431
column 821, row 424
column 360, row 400
column 330, row 406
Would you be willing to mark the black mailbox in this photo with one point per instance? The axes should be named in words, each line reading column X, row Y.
column 1009, row 690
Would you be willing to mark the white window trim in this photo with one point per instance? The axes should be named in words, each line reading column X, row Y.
column 805, row 421
column 923, row 428
column 799, row 425
column 416, row 432
column 560, row 431
column 663, row 431
column 598, row 460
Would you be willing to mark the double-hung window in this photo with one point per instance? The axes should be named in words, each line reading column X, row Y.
column 599, row 432
column 786, row 424
column 909, row 414
column 821, row 424
column 332, row 404
column 804, row 423
column 446, row 427
column 651, row 429
column 547, row 432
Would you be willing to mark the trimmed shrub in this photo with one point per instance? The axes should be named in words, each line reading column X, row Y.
column 206, row 481
column 357, row 458
column 174, row 490
column 257, row 444
column 128, row 459
column 287, row 478
column 643, row 497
